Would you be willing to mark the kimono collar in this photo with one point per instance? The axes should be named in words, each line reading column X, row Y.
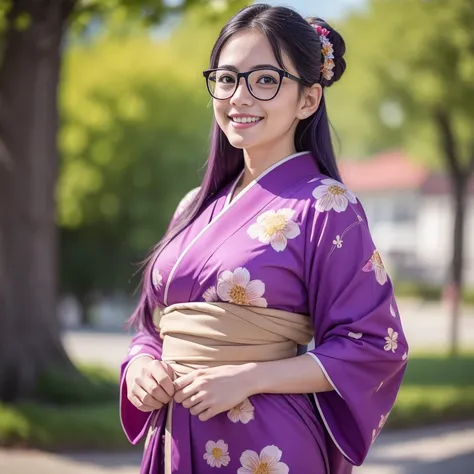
column 291, row 168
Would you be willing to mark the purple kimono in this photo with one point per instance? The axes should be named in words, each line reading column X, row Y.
column 298, row 241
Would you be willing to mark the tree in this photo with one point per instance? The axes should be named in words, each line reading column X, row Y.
column 412, row 64
column 33, row 43
column 128, row 156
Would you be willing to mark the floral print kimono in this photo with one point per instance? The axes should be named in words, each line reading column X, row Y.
column 298, row 241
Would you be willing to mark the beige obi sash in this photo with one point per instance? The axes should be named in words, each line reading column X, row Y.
column 201, row 335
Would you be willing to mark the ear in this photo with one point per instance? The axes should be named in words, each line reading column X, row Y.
column 310, row 101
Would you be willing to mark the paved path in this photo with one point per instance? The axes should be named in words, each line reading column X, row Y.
column 434, row 450
column 426, row 326
column 446, row 450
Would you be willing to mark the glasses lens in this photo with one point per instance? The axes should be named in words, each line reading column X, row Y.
column 264, row 83
column 222, row 84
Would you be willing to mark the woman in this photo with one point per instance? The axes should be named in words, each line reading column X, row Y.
column 270, row 253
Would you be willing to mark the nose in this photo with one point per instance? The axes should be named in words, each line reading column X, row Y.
column 242, row 95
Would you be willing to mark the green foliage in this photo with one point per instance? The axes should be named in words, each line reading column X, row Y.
column 123, row 12
column 406, row 60
column 422, row 406
column 5, row 6
column 124, row 16
column 53, row 428
column 134, row 139
column 435, row 389
column 71, row 414
column 124, row 103
column 93, row 385
column 428, row 292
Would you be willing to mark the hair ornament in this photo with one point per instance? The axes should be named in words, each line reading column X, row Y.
column 327, row 51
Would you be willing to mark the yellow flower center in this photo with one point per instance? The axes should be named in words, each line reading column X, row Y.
column 217, row 453
column 377, row 259
column 262, row 469
column 238, row 294
column 274, row 225
column 336, row 190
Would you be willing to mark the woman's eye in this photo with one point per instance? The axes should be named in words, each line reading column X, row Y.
column 226, row 79
column 267, row 80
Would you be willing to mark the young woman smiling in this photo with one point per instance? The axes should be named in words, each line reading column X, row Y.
column 272, row 252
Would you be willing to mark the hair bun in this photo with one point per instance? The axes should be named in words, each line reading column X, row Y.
column 338, row 51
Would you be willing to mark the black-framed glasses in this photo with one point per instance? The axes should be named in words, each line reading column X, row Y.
column 263, row 83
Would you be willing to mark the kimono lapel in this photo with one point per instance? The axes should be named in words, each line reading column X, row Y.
column 236, row 213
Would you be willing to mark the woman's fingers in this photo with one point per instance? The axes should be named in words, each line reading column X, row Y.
column 143, row 400
column 158, row 372
column 198, row 408
column 193, row 400
column 151, row 387
column 155, row 390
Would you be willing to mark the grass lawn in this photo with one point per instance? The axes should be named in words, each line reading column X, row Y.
column 85, row 416
column 77, row 415
column 435, row 389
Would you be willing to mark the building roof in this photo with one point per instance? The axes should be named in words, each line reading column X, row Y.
column 390, row 171
column 395, row 171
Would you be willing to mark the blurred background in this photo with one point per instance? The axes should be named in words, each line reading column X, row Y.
column 104, row 127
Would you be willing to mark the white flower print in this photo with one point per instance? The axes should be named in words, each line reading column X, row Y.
column 376, row 265
column 210, row 295
column 405, row 356
column 135, row 349
column 391, row 341
column 392, row 311
column 237, row 288
column 268, row 462
column 217, row 453
column 355, row 335
column 275, row 228
column 332, row 194
column 243, row 412
column 383, row 420
column 338, row 242
column 157, row 279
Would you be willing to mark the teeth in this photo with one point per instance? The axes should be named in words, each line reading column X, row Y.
column 246, row 119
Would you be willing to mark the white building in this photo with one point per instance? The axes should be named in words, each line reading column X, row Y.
column 411, row 215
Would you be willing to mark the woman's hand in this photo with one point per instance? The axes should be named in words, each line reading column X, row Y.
column 208, row 392
column 149, row 384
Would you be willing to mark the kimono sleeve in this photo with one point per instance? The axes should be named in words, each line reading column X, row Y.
column 135, row 422
column 359, row 340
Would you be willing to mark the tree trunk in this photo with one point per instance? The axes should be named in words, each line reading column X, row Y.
column 29, row 74
column 459, row 197
column 460, row 176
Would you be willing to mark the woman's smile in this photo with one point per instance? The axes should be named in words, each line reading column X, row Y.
column 242, row 121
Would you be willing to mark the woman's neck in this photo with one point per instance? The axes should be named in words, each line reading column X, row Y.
column 258, row 161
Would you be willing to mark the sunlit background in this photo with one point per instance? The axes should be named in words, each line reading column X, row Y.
column 132, row 137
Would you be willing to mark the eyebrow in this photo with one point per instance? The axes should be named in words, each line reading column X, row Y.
column 257, row 66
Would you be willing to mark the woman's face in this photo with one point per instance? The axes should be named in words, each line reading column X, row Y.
column 277, row 117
